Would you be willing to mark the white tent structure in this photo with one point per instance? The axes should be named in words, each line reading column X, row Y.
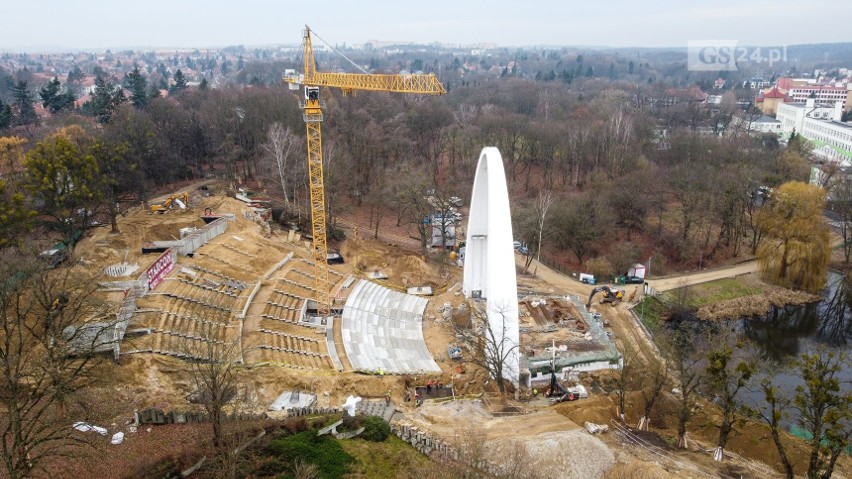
column 489, row 266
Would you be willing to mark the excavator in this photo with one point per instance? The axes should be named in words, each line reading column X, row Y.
column 611, row 295
column 182, row 201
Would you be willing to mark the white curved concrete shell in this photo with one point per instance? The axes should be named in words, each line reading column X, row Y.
column 489, row 266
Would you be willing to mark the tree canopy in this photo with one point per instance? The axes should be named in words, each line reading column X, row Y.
column 795, row 250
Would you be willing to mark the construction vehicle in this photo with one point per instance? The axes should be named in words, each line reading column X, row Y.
column 312, row 80
column 182, row 200
column 454, row 352
column 611, row 295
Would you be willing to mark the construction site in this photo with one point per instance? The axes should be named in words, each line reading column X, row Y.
column 236, row 280
column 317, row 326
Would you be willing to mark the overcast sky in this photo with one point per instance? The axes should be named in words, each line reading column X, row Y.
column 99, row 24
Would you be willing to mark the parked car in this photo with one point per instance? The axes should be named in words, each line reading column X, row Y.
column 633, row 280
column 456, row 201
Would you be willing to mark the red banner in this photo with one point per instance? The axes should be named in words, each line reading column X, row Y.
column 160, row 269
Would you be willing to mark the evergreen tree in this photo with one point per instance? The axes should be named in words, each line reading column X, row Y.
column 612, row 74
column 180, row 83
column 138, row 86
column 49, row 92
column 5, row 115
column 240, row 63
column 23, row 111
column 75, row 75
column 203, row 85
column 154, row 92
column 53, row 99
column 106, row 98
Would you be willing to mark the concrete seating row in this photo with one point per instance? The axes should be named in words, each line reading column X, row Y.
column 292, row 342
column 238, row 267
column 382, row 330
column 293, row 359
column 199, row 289
column 230, row 281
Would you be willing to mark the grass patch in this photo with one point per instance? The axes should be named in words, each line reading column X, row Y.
column 381, row 460
column 722, row 290
column 652, row 312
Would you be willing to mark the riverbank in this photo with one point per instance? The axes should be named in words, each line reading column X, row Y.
column 727, row 299
column 754, row 304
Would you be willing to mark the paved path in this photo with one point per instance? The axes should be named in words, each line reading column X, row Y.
column 660, row 284
column 679, row 281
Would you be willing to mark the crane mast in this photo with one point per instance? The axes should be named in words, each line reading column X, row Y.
column 312, row 113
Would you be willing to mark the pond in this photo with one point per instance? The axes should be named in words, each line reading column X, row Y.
column 785, row 333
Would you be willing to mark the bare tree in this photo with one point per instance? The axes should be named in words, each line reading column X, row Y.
column 494, row 348
column 625, row 377
column 280, row 147
column 653, row 382
column 545, row 200
column 214, row 368
column 50, row 326
column 685, row 358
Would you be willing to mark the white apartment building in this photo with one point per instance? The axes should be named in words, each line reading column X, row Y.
column 832, row 138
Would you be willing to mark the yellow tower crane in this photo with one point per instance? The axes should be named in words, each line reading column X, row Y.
column 312, row 106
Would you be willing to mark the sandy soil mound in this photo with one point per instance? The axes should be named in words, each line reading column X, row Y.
column 754, row 305
column 556, row 454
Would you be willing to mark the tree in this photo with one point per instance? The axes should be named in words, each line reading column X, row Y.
column 773, row 414
column 625, row 377
column 545, row 200
column 795, row 250
column 825, row 410
column 53, row 99
column 204, row 85
column 106, row 97
column 726, row 377
column 138, row 86
column 578, row 227
column 23, row 111
column 120, row 180
column 16, row 219
column 496, row 349
column 179, row 84
column 215, row 373
column 841, row 204
column 653, row 382
column 65, row 180
column 685, row 358
column 281, row 147
column 5, row 115
column 47, row 336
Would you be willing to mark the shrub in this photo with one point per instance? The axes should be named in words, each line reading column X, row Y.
column 375, row 429
column 322, row 451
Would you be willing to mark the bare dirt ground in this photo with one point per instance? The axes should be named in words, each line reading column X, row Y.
column 148, row 380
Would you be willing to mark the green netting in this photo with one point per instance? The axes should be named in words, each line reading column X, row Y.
column 806, row 435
